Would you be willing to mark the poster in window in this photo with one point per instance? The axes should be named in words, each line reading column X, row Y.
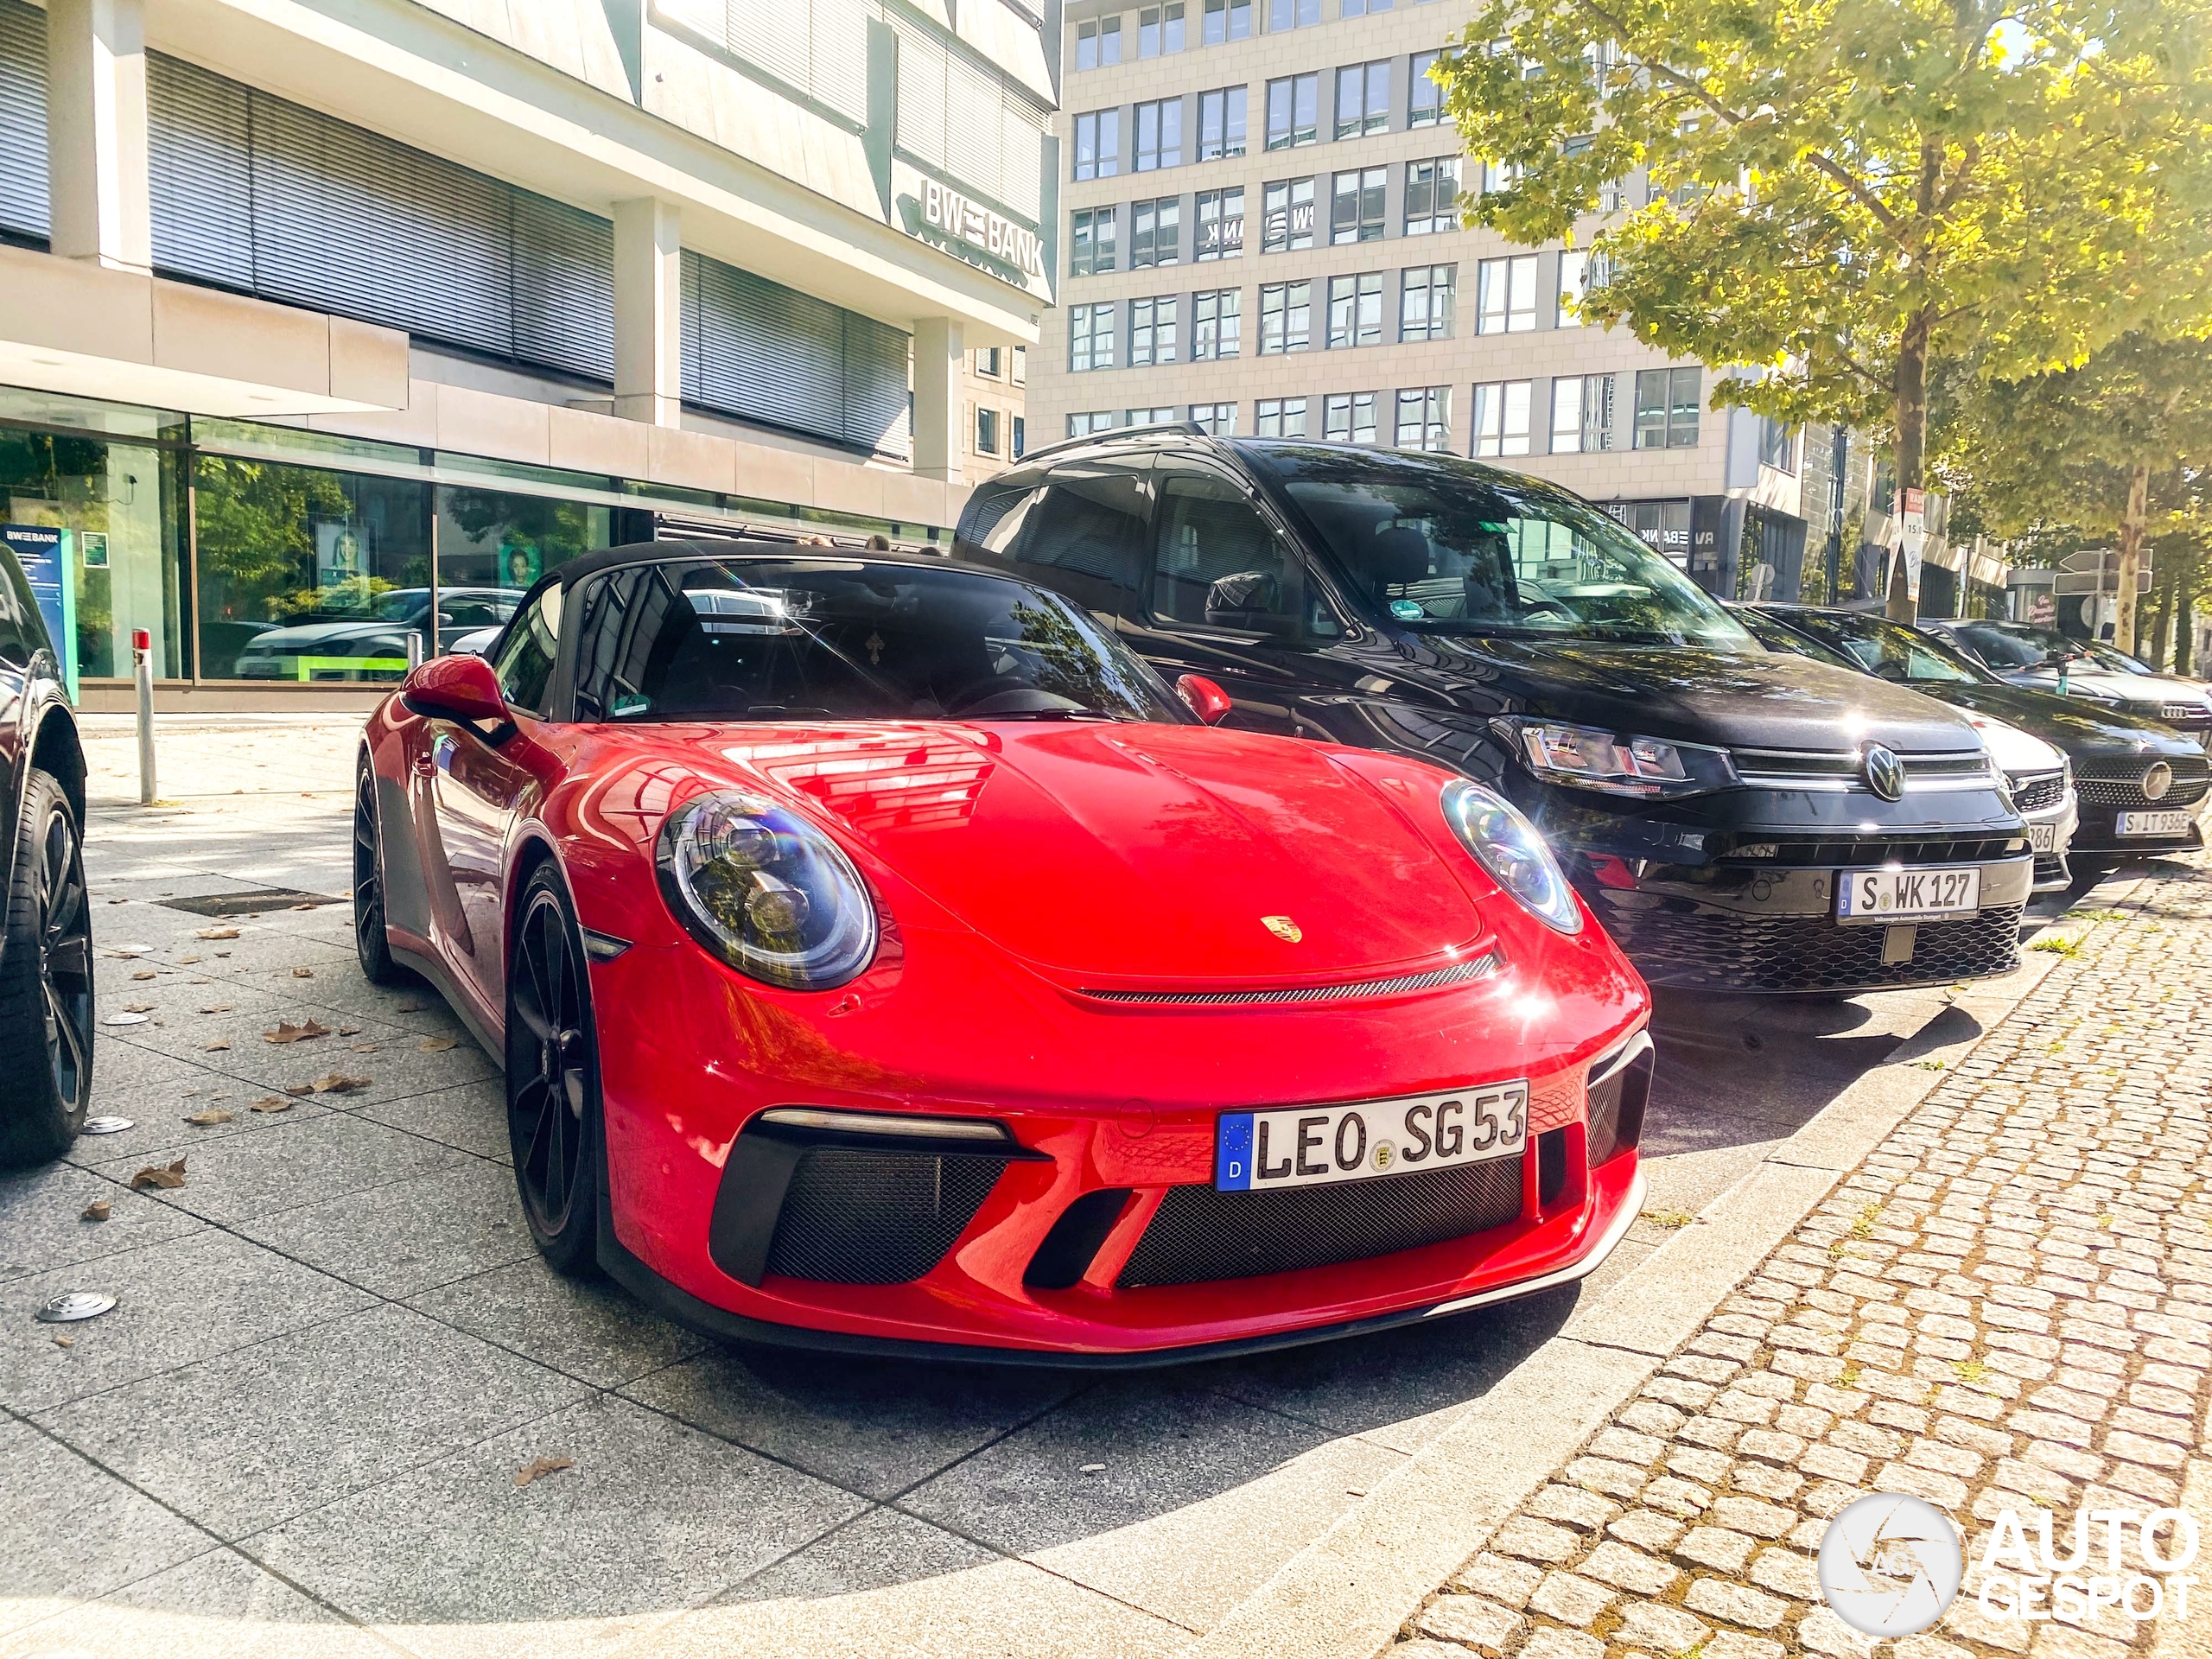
column 341, row 550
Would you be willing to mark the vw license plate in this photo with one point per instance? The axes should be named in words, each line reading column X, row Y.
column 1907, row 895
column 2042, row 837
column 2154, row 823
column 1310, row 1146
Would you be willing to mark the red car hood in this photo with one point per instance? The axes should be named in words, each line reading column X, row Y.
column 1134, row 853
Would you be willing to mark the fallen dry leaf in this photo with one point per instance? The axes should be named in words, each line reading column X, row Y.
column 296, row 1090
column 65, row 1342
column 538, row 1467
column 209, row 1118
column 414, row 1008
column 362, row 1048
column 145, row 973
column 217, row 1046
column 436, row 1045
column 270, row 1104
column 220, row 955
column 182, row 961
column 131, row 955
column 98, row 1210
column 119, row 901
column 137, row 1007
column 286, row 1031
column 216, row 933
column 160, row 1175
column 302, row 973
column 337, row 1083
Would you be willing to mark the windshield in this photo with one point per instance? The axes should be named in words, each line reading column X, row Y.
column 1444, row 546
column 1776, row 636
column 768, row 639
column 1887, row 650
column 2015, row 644
column 2119, row 661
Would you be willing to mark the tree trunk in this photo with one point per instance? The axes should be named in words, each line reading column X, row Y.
column 2185, row 614
column 1912, row 439
column 2131, row 553
column 2162, row 618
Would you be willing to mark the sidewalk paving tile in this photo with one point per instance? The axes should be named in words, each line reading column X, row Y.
column 42, row 1224
column 587, row 1328
column 408, row 1235
column 290, row 1164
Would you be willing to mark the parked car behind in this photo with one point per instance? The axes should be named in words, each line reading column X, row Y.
column 1708, row 798
column 352, row 644
column 2142, row 787
column 2041, row 660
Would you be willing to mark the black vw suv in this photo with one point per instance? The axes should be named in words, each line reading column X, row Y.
column 1740, row 820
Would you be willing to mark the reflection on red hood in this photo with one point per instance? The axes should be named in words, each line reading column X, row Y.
column 1132, row 852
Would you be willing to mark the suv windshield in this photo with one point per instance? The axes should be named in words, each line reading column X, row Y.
column 2115, row 659
column 1444, row 546
column 770, row 638
column 2015, row 644
column 1887, row 650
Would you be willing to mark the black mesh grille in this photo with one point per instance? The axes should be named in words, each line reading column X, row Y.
column 1604, row 1111
column 2050, row 868
column 2034, row 794
column 1716, row 950
column 2118, row 782
column 853, row 1217
column 1199, row 1234
column 1833, row 853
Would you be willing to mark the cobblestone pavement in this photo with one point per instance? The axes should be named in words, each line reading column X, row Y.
column 2008, row 1305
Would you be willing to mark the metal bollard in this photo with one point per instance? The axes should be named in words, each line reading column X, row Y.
column 141, row 663
column 414, row 650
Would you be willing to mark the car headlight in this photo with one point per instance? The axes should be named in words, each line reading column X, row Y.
column 1589, row 757
column 765, row 891
column 1506, row 845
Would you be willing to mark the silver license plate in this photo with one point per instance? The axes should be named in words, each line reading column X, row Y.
column 2169, row 823
column 2042, row 837
column 1312, row 1146
column 1908, row 895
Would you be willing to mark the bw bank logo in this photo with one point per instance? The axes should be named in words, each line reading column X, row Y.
column 1890, row 1564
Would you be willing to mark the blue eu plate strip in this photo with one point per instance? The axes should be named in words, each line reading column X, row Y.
column 1232, row 1152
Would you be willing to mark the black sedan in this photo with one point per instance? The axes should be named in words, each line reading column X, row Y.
column 2142, row 786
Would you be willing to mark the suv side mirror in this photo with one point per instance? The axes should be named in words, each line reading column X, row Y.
column 457, row 688
column 1207, row 700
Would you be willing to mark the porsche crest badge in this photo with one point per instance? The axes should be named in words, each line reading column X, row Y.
column 1283, row 928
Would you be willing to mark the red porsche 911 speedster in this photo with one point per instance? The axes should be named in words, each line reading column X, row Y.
column 884, row 959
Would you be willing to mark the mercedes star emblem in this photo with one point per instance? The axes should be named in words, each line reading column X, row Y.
column 2157, row 779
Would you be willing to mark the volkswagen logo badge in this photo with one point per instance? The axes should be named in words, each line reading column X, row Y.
column 2157, row 779
column 1884, row 771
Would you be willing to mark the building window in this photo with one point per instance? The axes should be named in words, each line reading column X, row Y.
column 1293, row 112
column 1098, row 45
column 1154, row 329
column 1147, row 417
column 1363, row 98
column 1364, row 7
column 1286, row 216
column 987, row 361
column 1228, row 20
column 1086, row 46
column 1425, row 294
column 1505, row 300
column 1431, row 195
column 1425, row 419
column 1356, row 310
column 1159, row 134
column 1356, row 210
column 1159, row 29
column 1155, row 232
column 1582, row 414
column 1219, row 420
column 1091, row 236
column 1281, row 418
column 1098, row 144
column 1220, row 124
column 1500, row 175
column 1286, row 317
column 1667, row 402
column 1090, row 337
column 1021, row 376
column 1221, row 223
column 1021, row 436
column 1424, row 98
column 1217, row 324
column 1777, row 446
column 1574, row 269
column 1097, row 420
column 1293, row 14
column 1348, row 417
column 987, row 431
column 1502, row 418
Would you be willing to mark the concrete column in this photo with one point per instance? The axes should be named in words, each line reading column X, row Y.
column 939, row 346
column 96, row 131
column 648, row 311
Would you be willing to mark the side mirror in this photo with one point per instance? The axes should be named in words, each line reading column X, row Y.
column 457, row 688
column 1207, row 700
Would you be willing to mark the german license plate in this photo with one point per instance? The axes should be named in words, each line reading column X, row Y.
column 1908, row 895
column 2154, row 823
column 1311, row 1146
column 2042, row 837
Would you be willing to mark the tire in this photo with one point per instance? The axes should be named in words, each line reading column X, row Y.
column 46, row 982
column 554, row 1123
column 370, row 942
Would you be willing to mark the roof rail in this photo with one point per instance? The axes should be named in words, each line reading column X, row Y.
column 1190, row 427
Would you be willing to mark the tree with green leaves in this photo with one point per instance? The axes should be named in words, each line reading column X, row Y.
column 1844, row 192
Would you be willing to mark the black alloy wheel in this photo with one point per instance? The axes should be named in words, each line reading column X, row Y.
column 553, row 1078
column 369, row 944
column 46, row 980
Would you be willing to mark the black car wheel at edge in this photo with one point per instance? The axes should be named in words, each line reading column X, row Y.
column 1707, row 795
column 2122, row 763
column 46, row 947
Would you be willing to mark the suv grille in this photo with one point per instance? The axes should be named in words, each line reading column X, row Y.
column 1844, row 769
column 854, row 1217
column 1716, row 950
column 1856, row 851
column 2036, row 794
column 1198, row 1235
column 2119, row 781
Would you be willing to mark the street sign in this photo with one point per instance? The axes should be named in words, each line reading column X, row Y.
column 2074, row 581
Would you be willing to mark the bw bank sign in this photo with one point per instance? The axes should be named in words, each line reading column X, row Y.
column 949, row 215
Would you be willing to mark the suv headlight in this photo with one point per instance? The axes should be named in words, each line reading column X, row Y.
column 765, row 891
column 1589, row 757
column 1506, row 845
